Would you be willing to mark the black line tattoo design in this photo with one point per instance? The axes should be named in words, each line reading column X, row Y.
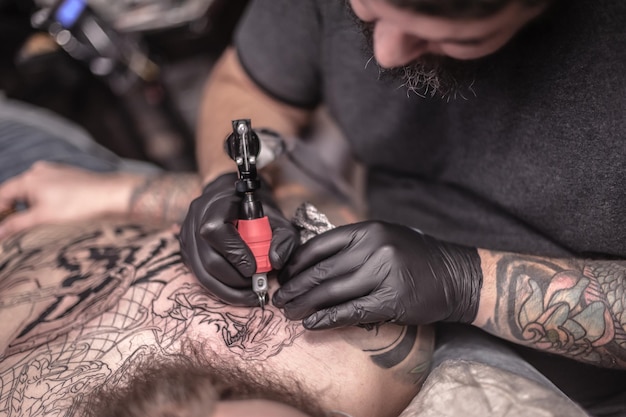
column 72, row 308
column 576, row 310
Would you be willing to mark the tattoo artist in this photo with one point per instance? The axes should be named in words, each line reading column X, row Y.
column 494, row 127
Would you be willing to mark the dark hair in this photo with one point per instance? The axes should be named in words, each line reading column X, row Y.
column 188, row 385
column 460, row 8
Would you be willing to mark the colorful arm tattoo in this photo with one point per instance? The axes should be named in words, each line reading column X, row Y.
column 573, row 308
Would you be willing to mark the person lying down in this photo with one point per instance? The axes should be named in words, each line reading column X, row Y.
column 103, row 319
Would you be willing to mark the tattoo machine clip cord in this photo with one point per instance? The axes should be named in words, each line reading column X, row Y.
column 243, row 146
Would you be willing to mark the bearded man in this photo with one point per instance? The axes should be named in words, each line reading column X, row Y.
column 502, row 142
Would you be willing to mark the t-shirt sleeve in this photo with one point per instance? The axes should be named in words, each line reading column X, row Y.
column 278, row 44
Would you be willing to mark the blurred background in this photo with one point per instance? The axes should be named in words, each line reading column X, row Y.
column 128, row 71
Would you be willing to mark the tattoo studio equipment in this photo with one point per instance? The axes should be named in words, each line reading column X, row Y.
column 243, row 146
column 123, row 61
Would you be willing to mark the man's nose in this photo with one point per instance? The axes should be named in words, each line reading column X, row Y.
column 395, row 48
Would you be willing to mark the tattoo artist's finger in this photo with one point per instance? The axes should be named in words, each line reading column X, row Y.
column 361, row 311
column 229, row 244
column 221, row 269
column 312, row 294
column 318, row 248
column 338, row 265
column 218, row 269
column 16, row 222
column 284, row 241
column 225, row 293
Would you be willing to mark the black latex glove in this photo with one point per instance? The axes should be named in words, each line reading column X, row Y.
column 213, row 249
column 374, row 272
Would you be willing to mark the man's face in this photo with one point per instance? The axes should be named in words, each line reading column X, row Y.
column 421, row 47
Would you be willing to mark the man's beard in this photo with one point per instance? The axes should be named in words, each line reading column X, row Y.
column 191, row 384
column 429, row 75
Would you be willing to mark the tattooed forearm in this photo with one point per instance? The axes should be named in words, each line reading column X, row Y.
column 572, row 308
column 164, row 198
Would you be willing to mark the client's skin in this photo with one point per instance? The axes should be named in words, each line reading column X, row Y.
column 82, row 305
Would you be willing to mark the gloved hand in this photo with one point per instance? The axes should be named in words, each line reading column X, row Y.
column 374, row 272
column 213, row 249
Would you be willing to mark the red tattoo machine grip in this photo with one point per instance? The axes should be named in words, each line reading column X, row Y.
column 257, row 234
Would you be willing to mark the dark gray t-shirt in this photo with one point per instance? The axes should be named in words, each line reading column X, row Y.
column 533, row 162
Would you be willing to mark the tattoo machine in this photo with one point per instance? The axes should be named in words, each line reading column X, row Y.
column 243, row 146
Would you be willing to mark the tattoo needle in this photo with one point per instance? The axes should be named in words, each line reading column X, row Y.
column 259, row 286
